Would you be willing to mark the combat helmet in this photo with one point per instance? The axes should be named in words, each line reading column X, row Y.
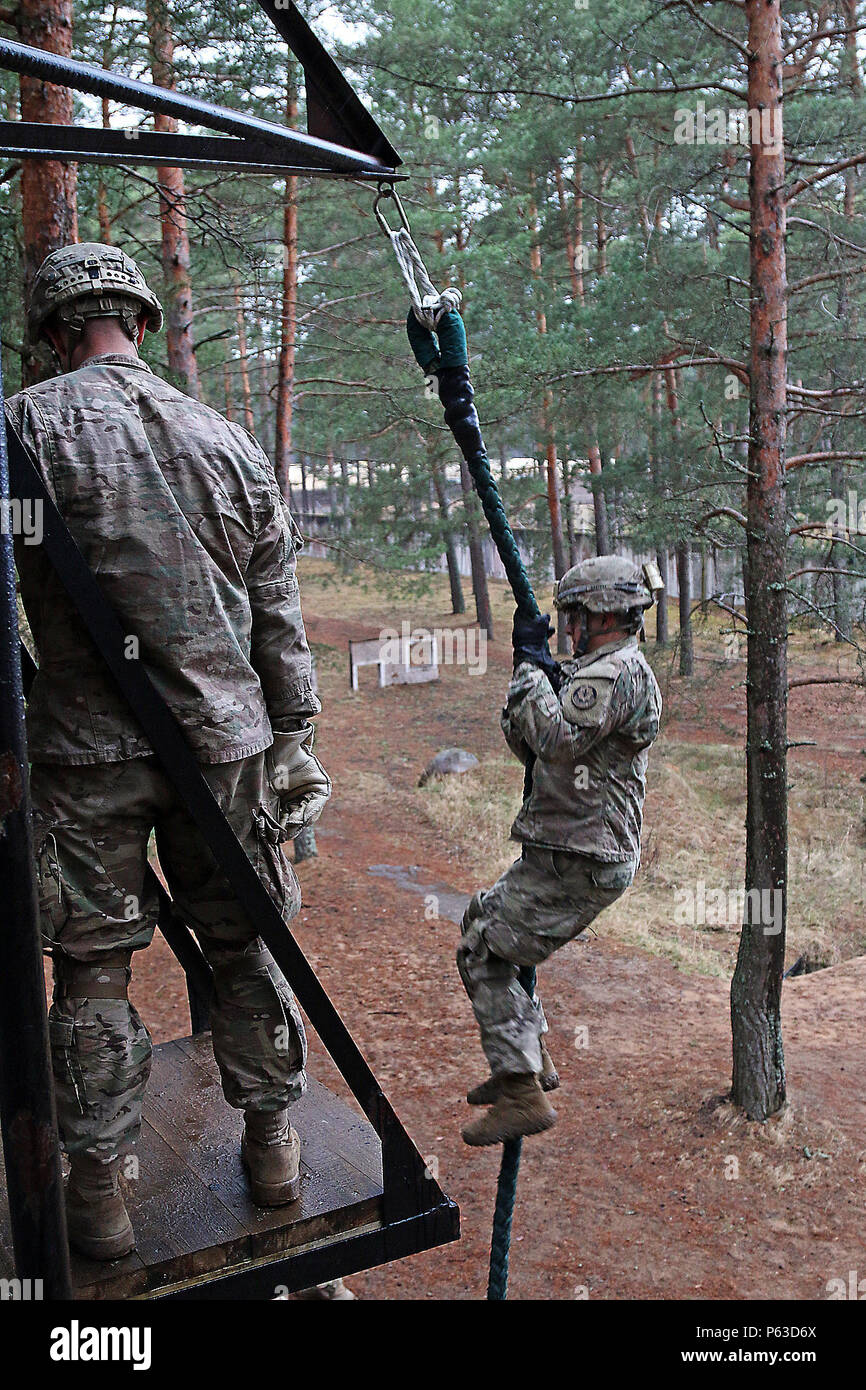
column 608, row 584
column 90, row 280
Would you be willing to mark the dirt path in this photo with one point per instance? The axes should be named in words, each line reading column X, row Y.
column 648, row 1187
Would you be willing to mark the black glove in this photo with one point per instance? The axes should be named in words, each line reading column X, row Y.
column 530, row 638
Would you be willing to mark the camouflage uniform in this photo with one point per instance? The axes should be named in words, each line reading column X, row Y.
column 177, row 512
column 580, row 829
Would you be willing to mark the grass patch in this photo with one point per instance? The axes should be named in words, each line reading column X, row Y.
column 693, row 831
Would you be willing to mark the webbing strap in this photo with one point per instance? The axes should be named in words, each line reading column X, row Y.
column 408, row 1186
column 80, row 980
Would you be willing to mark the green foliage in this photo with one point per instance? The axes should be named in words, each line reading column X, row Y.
column 531, row 131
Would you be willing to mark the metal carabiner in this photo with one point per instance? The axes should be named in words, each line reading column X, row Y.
column 387, row 190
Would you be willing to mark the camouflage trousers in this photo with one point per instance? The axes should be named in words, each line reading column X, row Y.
column 92, row 829
column 546, row 898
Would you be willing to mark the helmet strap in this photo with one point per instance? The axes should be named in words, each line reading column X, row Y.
column 582, row 644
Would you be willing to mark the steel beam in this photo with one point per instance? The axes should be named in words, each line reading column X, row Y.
column 292, row 145
column 90, row 145
column 334, row 111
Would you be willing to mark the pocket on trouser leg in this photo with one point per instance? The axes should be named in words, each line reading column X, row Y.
column 101, row 1056
column 613, row 878
column 258, row 1035
column 53, row 901
column 273, row 867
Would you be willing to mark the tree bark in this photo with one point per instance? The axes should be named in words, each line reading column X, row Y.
column 659, row 485
column 458, row 602
column 568, row 493
column 289, row 306
column 227, row 383
column 837, row 556
column 471, row 505
column 552, row 469
column 599, row 501
column 172, row 214
column 756, row 988
column 684, row 582
column 49, row 207
column 243, row 360
column 480, row 590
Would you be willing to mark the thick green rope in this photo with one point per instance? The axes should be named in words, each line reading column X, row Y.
column 506, row 1195
column 449, row 359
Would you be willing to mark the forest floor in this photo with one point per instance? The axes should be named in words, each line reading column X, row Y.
column 650, row 1186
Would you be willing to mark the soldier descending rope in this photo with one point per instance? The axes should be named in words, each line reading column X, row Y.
column 585, row 726
column 179, row 513
column 582, row 729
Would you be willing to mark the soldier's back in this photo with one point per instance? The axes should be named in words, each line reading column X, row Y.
column 165, row 499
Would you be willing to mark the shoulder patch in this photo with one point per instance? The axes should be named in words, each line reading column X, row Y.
column 607, row 669
column 586, row 698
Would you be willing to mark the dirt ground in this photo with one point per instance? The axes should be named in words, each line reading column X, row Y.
column 650, row 1186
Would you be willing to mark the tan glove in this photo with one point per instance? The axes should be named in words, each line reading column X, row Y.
column 297, row 779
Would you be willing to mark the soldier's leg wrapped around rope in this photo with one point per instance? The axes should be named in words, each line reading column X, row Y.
column 546, row 898
column 582, row 730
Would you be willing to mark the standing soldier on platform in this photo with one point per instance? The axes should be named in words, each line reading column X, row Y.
column 178, row 514
column 585, row 728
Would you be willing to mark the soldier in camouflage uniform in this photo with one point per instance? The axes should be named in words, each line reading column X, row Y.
column 178, row 513
column 585, row 726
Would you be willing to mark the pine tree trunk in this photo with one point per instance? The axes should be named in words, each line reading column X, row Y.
column 458, row 602
column 552, row 478
column 289, row 307
column 756, row 988
column 227, row 383
column 345, row 518
column 837, row 556
column 243, row 360
column 553, row 506
column 684, row 580
column 568, row 493
column 102, row 213
column 570, row 249
column 659, row 486
column 172, row 213
column 481, row 593
column 599, row 501
column 662, row 617
column 49, row 207
column 471, row 505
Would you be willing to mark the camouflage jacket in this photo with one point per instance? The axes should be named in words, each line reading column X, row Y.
column 590, row 743
column 178, row 515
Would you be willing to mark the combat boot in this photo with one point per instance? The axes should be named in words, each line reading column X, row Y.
column 96, row 1217
column 271, row 1151
column 488, row 1091
column 521, row 1108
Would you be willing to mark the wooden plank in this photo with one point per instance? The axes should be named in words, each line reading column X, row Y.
column 319, row 1113
column 335, row 1196
column 190, row 1204
column 181, row 1228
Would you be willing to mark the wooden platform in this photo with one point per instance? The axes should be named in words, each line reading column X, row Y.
column 190, row 1204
